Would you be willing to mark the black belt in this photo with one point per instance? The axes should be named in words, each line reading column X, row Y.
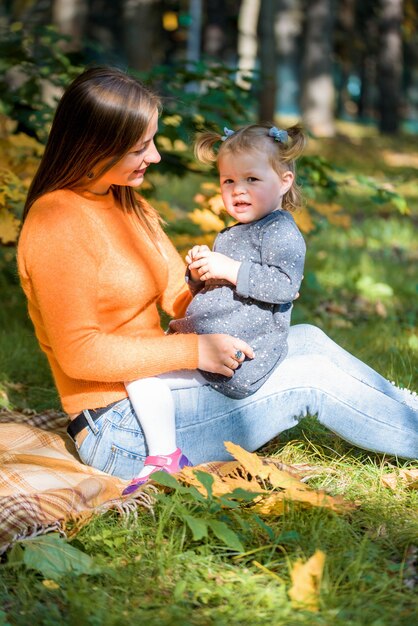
column 78, row 423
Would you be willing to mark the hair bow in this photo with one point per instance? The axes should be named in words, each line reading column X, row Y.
column 278, row 135
column 227, row 134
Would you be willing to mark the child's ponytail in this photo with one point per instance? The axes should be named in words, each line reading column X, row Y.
column 293, row 149
column 204, row 147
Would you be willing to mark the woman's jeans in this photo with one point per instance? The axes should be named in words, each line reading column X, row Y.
column 317, row 377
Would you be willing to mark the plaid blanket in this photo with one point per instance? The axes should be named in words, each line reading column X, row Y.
column 43, row 485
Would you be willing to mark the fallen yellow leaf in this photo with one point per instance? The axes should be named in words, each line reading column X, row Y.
column 50, row 584
column 263, row 476
column 306, row 582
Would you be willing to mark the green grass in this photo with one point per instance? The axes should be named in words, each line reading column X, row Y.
column 360, row 287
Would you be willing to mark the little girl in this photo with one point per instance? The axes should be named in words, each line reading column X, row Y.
column 244, row 287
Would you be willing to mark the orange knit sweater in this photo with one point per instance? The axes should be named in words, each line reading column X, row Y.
column 93, row 280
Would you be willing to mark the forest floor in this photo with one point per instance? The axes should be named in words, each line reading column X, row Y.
column 361, row 287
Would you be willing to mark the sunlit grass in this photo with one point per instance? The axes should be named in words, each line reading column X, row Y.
column 360, row 286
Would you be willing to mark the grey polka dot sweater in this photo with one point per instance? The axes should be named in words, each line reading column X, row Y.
column 258, row 308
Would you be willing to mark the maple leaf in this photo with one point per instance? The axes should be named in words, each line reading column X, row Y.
column 306, row 582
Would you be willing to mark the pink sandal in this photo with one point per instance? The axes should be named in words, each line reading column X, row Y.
column 170, row 463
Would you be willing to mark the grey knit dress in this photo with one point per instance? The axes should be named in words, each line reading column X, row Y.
column 257, row 310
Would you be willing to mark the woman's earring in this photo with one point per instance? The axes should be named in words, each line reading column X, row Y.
column 90, row 175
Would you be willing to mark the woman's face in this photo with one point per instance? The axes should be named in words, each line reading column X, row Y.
column 130, row 170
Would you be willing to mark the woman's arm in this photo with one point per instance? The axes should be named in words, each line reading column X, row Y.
column 60, row 263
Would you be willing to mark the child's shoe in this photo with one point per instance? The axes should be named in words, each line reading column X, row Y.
column 170, row 463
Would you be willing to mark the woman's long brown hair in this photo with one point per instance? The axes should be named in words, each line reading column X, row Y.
column 102, row 114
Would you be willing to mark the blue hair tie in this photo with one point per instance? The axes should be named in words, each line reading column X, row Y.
column 228, row 133
column 278, row 135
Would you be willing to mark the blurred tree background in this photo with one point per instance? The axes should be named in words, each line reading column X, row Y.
column 320, row 59
column 347, row 68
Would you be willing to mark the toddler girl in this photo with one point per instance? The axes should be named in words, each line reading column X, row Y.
column 244, row 287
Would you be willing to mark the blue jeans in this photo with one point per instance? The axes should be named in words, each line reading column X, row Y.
column 317, row 377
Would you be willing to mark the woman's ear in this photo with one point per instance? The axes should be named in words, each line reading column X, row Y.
column 287, row 181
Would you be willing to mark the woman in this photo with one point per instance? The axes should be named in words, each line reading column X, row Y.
column 95, row 265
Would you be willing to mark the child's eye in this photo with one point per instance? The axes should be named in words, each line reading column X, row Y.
column 252, row 179
column 227, row 181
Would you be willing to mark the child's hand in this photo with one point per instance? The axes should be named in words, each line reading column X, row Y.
column 207, row 264
column 191, row 256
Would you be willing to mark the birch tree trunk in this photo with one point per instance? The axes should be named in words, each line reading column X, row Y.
column 318, row 94
column 390, row 65
column 247, row 40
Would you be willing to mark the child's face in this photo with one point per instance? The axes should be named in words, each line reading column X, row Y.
column 250, row 187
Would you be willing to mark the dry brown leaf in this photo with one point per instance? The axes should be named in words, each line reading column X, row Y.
column 410, row 477
column 389, row 480
column 306, row 582
column 406, row 477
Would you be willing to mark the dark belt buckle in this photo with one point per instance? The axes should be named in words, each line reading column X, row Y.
column 80, row 421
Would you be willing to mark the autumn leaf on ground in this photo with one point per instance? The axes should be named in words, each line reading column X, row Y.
column 306, row 582
column 276, row 487
column 221, row 485
column 291, row 487
column 406, row 477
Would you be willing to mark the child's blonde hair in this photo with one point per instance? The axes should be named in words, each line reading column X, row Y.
column 282, row 155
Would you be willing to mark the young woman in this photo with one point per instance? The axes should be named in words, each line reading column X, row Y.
column 95, row 265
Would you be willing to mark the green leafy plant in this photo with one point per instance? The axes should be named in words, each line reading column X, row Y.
column 52, row 556
column 33, row 68
column 204, row 514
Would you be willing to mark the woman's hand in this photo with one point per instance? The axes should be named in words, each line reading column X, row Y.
column 222, row 354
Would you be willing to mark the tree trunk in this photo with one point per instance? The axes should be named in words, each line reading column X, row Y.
column 268, row 61
column 318, row 94
column 389, row 64
column 344, row 38
column 247, row 40
column 195, row 29
column 288, row 30
column 214, row 35
column 142, row 33
column 70, row 17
